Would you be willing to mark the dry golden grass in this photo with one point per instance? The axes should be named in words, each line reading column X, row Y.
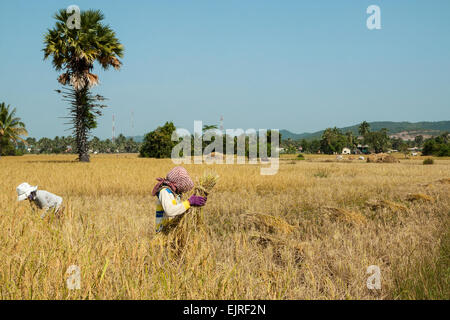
column 328, row 237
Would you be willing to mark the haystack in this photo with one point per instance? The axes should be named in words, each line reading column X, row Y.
column 382, row 158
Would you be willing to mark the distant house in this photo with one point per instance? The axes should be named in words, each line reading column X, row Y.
column 346, row 151
column 363, row 148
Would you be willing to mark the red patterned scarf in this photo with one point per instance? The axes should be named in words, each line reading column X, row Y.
column 177, row 180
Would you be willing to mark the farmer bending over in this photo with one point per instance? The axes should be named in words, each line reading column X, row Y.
column 168, row 192
column 41, row 198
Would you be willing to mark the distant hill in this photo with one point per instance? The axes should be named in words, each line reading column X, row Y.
column 400, row 129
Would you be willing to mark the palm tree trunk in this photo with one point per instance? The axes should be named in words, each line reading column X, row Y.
column 81, row 125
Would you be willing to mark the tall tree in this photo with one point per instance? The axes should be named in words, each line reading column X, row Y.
column 378, row 140
column 332, row 141
column 350, row 139
column 74, row 52
column 158, row 143
column 403, row 148
column 11, row 127
column 418, row 140
column 364, row 128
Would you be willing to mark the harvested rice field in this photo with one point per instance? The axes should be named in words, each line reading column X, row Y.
column 308, row 232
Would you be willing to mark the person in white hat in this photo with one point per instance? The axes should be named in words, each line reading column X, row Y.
column 41, row 198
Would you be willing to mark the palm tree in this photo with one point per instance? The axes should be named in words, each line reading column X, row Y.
column 350, row 139
column 207, row 127
column 364, row 128
column 74, row 52
column 11, row 128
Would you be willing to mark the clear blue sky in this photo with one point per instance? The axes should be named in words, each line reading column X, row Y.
column 297, row 65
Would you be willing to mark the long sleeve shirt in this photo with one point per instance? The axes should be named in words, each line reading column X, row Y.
column 168, row 205
column 46, row 200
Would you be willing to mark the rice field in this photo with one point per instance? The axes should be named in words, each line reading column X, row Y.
column 308, row 232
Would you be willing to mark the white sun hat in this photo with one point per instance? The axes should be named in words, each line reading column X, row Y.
column 24, row 190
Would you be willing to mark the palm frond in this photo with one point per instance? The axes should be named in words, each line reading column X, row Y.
column 11, row 127
column 76, row 50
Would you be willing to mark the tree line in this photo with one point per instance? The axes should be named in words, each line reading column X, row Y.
column 68, row 144
column 333, row 141
column 159, row 143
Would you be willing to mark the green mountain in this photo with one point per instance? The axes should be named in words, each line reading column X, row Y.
column 414, row 128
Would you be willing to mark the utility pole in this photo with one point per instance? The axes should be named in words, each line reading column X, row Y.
column 132, row 123
column 113, row 129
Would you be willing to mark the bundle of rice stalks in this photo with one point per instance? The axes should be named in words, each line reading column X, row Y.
column 267, row 223
column 391, row 205
column 419, row 197
column 181, row 229
column 347, row 216
column 389, row 159
column 382, row 157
